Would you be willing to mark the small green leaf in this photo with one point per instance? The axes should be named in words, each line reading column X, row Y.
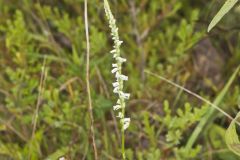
column 224, row 10
column 58, row 153
column 231, row 137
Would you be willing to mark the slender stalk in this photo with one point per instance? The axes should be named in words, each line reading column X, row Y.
column 39, row 99
column 87, row 81
column 120, row 78
column 122, row 104
column 123, row 145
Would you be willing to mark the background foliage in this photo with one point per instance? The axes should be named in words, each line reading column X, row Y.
column 166, row 37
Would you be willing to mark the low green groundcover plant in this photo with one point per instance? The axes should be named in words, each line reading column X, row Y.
column 183, row 81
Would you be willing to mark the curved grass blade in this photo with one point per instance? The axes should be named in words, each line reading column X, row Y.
column 224, row 10
column 207, row 119
column 231, row 137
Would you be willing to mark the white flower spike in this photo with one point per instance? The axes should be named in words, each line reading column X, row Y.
column 120, row 78
column 116, row 90
column 117, row 66
column 114, row 65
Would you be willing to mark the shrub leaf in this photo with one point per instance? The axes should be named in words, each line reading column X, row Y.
column 231, row 137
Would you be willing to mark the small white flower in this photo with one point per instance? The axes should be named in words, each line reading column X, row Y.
column 114, row 70
column 116, row 107
column 125, row 122
column 114, row 65
column 121, row 60
column 119, row 42
column 126, row 125
column 116, row 89
column 121, row 76
column 113, row 51
column 124, row 95
column 62, row 158
column 115, row 84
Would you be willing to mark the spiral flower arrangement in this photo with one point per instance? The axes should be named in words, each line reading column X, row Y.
column 120, row 78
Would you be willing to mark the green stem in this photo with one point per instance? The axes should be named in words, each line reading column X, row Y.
column 123, row 145
column 122, row 127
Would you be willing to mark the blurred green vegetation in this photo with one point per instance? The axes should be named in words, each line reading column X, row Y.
column 167, row 37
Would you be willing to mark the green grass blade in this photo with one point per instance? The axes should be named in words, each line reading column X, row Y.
column 224, row 10
column 210, row 112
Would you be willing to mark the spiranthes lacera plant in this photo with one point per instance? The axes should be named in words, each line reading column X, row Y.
column 120, row 78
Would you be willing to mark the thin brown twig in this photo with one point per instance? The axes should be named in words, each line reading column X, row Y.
column 39, row 99
column 68, row 82
column 87, row 80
